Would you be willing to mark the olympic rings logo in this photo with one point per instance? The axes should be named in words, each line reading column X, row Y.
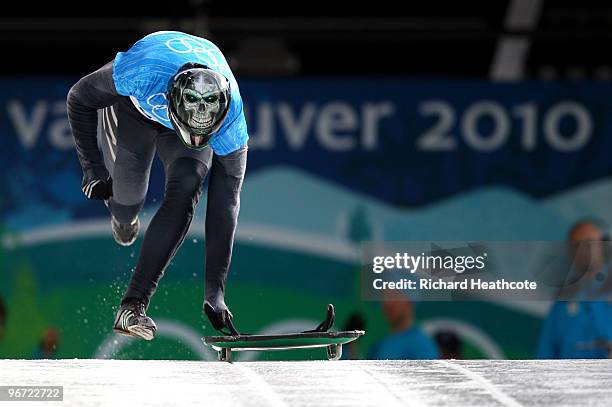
column 206, row 52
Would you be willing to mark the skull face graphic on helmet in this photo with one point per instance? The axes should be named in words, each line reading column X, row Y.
column 201, row 103
column 199, row 100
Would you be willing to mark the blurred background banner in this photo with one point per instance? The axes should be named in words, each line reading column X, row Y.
column 331, row 163
column 403, row 142
column 474, row 121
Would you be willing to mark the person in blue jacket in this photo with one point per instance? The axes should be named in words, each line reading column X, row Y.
column 174, row 95
column 407, row 340
column 581, row 326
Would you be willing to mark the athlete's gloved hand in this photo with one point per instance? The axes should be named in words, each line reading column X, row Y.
column 97, row 184
column 220, row 317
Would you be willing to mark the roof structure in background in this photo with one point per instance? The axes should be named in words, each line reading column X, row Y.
column 434, row 38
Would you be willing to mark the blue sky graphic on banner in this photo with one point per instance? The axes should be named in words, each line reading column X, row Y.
column 404, row 143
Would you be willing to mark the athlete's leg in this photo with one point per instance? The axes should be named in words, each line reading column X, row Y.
column 185, row 172
column 128, row 145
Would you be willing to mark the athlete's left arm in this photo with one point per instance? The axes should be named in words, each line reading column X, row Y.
column 225, row 185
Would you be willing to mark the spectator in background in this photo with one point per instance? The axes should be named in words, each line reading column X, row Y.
column 47, row 349
column 407, row 339
column 355, row 322
column 580, row 329
column 449, row 345
column 3, row 313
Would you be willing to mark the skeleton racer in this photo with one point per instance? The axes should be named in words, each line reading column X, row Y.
column 172, row 94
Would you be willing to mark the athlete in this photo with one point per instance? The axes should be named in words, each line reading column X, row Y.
column 172, row 94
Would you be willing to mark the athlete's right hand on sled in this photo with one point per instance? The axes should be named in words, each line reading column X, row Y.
column 220, row 317
column 97, row 184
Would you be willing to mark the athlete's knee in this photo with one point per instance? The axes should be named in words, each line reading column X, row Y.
column 184, row 180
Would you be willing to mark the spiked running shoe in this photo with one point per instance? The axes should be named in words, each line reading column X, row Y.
column 132, row 321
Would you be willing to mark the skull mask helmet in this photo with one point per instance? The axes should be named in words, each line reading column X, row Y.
column 199, row 99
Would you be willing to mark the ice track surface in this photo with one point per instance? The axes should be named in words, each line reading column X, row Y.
column 342, row 383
